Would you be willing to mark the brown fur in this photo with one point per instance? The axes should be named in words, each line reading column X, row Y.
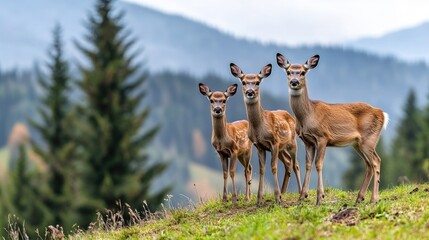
column 269, row 131
column 322, row 125
column 230, row 142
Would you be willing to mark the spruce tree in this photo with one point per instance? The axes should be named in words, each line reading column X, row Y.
column 117, row 166
column 423, row 145
column 57, row 148
column 405, row 159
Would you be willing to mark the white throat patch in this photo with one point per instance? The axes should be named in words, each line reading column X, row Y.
column 294, row 92
column 250, row 100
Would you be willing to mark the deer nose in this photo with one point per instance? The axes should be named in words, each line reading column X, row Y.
column 294, row 82
column 250, row 93
column 217, row 110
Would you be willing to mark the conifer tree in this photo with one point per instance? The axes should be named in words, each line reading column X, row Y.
column 114, row 145
column 57, row 148
column 405, row 159
column 423, row 145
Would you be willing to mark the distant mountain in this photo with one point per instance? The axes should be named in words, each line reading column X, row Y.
column 409, row 44
column 182, row 45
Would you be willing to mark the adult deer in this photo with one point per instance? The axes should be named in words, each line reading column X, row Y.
column 322, row 125
column 229, row 139
column 272, row 131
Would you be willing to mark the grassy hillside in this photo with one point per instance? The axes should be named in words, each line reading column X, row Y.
column 207, row 184
column 402, row 213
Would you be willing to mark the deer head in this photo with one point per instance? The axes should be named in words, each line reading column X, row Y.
column 296, row 73
column 250, row 82
column 218, row 99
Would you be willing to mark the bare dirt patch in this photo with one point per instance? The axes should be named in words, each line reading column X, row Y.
column 348, row 216
column 414, row 190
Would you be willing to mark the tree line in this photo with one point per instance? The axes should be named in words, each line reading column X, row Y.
column 94, row 151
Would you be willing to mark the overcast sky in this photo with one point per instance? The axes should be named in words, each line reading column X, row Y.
column 300, row 21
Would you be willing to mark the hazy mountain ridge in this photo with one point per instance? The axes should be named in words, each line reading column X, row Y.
column 181, row 45
column 408, row 44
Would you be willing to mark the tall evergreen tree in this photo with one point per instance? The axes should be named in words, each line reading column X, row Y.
column 57, row 149
column 117, row 165
column 405, row 145
column 423, row 144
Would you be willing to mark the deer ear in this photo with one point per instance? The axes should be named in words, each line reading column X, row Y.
column 266, row 71
column 312, row 62
column 236, row 70
column 282, row 61
column 204, row 90
column 231, row 90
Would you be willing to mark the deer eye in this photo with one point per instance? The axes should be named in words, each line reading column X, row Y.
column 243, row 83
column 302, row 73
column 211, row 101
column 257, row 83
column 288, row 72
column 223, row 101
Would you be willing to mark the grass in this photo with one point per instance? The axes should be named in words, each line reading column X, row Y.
column 402, row 213
column 210, row 181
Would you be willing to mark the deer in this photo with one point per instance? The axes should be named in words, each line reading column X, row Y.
column 229, row 139
column 320, row 125
column 272, row 131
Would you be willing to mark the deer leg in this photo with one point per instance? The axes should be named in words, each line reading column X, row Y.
column 245, row 160
column 320, row 157
column 232, row 167
column 261, row 156
column 225, row 178
column 309, row 158
column 293, row 153
column 274, row 161
column 368, row 174
column 249, row 180
column 286, row 159
column 376, row 164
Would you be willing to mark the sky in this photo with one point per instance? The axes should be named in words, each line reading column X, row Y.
column 300, row 22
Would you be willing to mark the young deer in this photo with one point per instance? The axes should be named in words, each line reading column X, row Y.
column 229, row 139
column 272, row 131
column 322, row 125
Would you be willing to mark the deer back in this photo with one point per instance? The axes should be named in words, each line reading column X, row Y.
column 238, row 132
column 278, row 128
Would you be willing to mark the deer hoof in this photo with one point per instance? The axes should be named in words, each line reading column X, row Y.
column 318, row 202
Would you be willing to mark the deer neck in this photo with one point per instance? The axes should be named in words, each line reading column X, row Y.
column 219, row 127
column 300, row 103
column 255, row 115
